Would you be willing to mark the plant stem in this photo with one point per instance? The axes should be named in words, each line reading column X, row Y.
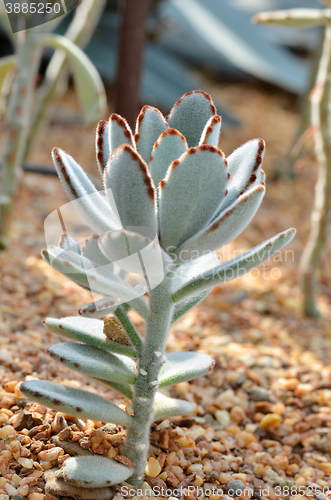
column 18, row 120
column 134, row 336
column 130, row 60
column 320, row 117
column 149, row 365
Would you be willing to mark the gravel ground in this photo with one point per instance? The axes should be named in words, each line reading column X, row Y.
column 261, row 428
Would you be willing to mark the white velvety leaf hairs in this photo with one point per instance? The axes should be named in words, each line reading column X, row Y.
column 170, row 198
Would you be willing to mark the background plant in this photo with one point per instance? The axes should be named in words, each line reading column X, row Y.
column 171, row 199
column 27, row 104
column 320, row 102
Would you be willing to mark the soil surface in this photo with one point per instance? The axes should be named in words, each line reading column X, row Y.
column 261, row 428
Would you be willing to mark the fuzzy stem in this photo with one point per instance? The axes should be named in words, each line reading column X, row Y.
column 18, row 119
column 149, row 365
column 320, row 117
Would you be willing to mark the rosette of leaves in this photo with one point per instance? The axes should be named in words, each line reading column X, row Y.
column 169, row 180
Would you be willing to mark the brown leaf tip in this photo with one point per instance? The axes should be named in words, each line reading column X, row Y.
column 172, row 131
column 142, row 115
column 100, row 140
column 191, row 92
column 58, row 159
column 118, row 119
column 146, row 177
column 136, row 137
column 101, row 127
column 174, row 164
column 258, row 158
column 129, row 149
column 121, row 122
column 216, row 119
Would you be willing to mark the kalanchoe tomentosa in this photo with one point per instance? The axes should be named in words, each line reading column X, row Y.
column 171, row 198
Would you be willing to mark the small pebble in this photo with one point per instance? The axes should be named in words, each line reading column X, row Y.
column 153, row 467
column 25, row 462
column 223, row 418
column 271, row 420
column 10, row 489
column 236, row 486
column 35, row 496
column 259, row 393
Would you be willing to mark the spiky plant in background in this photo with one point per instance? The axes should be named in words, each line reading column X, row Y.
column 27, row 104
column 172, row 184
column 320, row 102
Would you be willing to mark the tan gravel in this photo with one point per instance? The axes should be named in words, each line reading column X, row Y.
column 262, row 418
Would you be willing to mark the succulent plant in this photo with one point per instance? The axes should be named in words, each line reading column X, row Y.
column 171, row 198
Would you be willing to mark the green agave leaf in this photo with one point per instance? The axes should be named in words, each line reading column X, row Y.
column 89, row 331
column 74, row 402
column 211, row 132
column 164, row 406
column 235, row 267
column 227, row 226
column 182, row 366
column 87, row 80
column 7, row 64
column 170, row 145
column 190, row 115
column 128, row 183
column 296, row 18
column 95, row 472
column 214, row 31
column 191, row 193
column 150, row 125
column 94, row 362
